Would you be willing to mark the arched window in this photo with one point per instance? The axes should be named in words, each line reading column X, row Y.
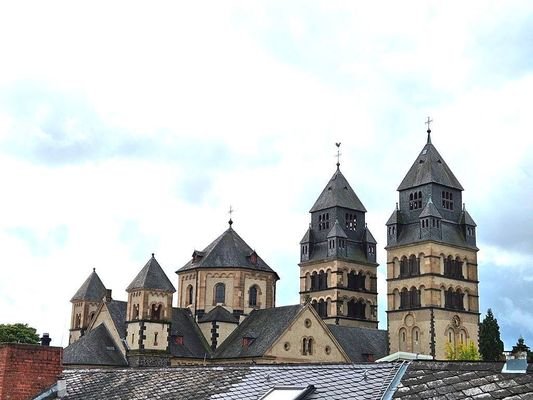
column 189, row 295
column 136, row 311
column 414, row 297
column 156, row 311
column 352, row 280
column 322, row 280
column 77, row 324
column 404, row 298
column 403, row 339
column 310, row 346
column 304, row 346
column 220, row 293
column 252, row 296
column 404, row 267
column 322, row 308
column 314, row 281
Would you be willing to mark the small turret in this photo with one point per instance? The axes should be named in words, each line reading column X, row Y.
column 84, row 305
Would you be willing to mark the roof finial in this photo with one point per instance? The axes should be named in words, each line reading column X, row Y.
column 338, row 154
column 429, row 121
column 153, row 255
column 230, row 212
column 94, row 269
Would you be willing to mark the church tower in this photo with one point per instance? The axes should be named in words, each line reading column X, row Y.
column 84, row 305
column 338, row 258
column 432, row 279
column 149, row 316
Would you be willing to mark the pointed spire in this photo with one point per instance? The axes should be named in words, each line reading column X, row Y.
column 91, row 290
column 151, row 276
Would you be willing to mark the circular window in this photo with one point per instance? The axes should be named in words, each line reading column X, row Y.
column 287, row 346
column 307, row 323
column 327, row 349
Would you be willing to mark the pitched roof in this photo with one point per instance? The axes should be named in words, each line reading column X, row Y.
column 333, row 381
column 337, row 231
column 117, row 311
column 194, row 344
column 467, row 219
column 308, row 237
column 430, row 210
column 463, row 380
column 368, row 236
column 265, row 325
column 429, row 167
column 229, row 250
column 151, row 276
column 219, row 314
column 97, row 347
column 357, row 342
column 338, row 193
column 92, row 289
column 395, row 218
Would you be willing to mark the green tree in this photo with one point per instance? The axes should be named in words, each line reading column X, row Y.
column 490, row 344
column 18, row 333
column 522, row 347
column 464, row 352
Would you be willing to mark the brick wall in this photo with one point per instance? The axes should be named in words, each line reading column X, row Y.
column 26, row 370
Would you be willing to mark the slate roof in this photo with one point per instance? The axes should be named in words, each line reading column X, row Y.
column 97, row 348
column 368, row 237
column 352, row 381
column 430, row 210
column 194, row 344
column 151, row 276
column 270, row 322
column 429, row 167
column 117, row 311
column 229, row 250
column 219, row 314
column 357, row 342
column 337, row 231
column 467, row 219
column 338, row 193
column 308, row 237
column 451, row 234
column 463, row 380
column 395, row 218
column 92, row 289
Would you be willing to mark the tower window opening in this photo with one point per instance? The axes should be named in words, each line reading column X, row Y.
column 220, row 293
column 189, row 294
column 155, row 339
column 350, row 221
column 453, row 268
column 323, row 221
column 447, row 200
column 156, row 311
column 252, row 297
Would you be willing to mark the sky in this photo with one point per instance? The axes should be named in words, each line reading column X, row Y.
column 128, row 128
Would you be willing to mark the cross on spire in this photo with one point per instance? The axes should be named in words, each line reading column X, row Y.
column 230, row 212
column 338, row 154
column 428, row 122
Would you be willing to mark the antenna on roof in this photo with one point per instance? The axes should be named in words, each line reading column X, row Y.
column 338, row 154
column 429, row 121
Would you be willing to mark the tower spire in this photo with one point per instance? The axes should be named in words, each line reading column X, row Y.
column 429, row 121
column 230, row 212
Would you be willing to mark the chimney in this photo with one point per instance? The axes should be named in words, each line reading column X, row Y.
column 107, row 298
column 46, row 339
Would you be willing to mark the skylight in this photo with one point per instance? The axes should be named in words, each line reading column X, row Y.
column 288, row 393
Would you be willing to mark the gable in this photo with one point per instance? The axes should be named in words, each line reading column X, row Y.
column 104, row 317
column 307, row 325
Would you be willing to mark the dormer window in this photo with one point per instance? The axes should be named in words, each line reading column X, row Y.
column 371, row 249
column 197, row 256
column 470, row 231
column 178, row 340
column 253, row 258
column 247, row 341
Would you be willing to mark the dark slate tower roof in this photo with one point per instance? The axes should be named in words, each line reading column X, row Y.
column 337, row 231
column 430, row 211
column 151, row 276
column 229, row 250
column 92, row 289
column 338, row 193
column 429, row 167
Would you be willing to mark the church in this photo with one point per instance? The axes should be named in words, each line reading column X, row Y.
column 226, row 293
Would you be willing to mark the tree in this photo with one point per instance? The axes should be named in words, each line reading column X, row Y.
column 18, row 333
column 464, row 352
column 490, row 344
column 522, row 347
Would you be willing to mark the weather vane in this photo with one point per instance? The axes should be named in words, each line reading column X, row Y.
column 338, row 154
column 230, row 212
column 429, row 121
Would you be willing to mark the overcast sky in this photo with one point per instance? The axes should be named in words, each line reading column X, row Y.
column 129, row 128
